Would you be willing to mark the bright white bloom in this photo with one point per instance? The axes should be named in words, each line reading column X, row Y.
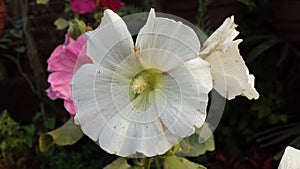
column 290, row 159
column 141, row 98
column 230, row 75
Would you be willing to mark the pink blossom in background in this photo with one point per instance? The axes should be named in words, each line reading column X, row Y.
column 83, row 6
column 64, row 61
column 112, row 4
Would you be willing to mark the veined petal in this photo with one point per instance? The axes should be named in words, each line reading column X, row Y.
column 186, row 89
column 109, row 33
column 83, row 91
column 129, row 130
column 166, row 34
column 200, row 69
column 141, row 99
column 123, row 137
column 161, row 59
column 230, row 74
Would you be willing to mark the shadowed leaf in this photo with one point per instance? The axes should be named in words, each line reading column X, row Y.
column 120, row 163
column 43, row 2
column 67, row 134
column 193, row 147
column 174, row 162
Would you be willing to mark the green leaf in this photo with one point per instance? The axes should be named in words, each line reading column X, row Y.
column 119, row 163
column 49, row 123
column 43, row 2
column 263, row 112
column 30, row 129
column 275, row 119
column 67, row 134
column 249, row 3
column 98, row 16
column 37, row 116
column 136, row 167
column 61, row 23
column 45, row 142
column 263, row 107
column 174, row 162
column 283, row 118
column 193, row 147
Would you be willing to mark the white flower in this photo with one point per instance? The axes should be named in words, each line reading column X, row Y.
column 290, row 159
column 141, row 98
column 230, row 75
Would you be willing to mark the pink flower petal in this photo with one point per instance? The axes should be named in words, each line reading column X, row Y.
column 63, row 63
column 112, row 4
column 60, row 83
column 52, row 94
column 83, row 6
column 70, row 106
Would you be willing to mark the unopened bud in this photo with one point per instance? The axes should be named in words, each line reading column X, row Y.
column 77, row 27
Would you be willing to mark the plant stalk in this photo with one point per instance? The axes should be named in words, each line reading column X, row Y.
column 157, row 164
column 147, row 163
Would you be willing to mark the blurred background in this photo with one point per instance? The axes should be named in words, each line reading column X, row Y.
column 251, row 135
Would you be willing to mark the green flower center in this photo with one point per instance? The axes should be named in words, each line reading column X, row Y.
column 144, row 82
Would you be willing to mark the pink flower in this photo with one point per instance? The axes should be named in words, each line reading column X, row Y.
column 64, row 61
column 83, row 6
column 112, row 4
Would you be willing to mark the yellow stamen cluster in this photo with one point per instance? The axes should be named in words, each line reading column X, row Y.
column 139, row 85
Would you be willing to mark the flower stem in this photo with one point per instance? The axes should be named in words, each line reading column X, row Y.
column 147, row 163
column 157, row 164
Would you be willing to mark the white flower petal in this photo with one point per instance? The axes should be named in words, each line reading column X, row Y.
column 221, row 38
column 123, row 137
column 290, row 159
column 166, row 34
column 230, row 74
column 127, row 130
column 202, row 74
column 119, row 87
column 250, row 91
column 161, row 59
column 187, row 96
column 111, row 32
column 153, row 121
column 87, row 115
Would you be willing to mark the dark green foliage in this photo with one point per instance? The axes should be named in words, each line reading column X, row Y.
column 19, row 149
column 14, row 140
